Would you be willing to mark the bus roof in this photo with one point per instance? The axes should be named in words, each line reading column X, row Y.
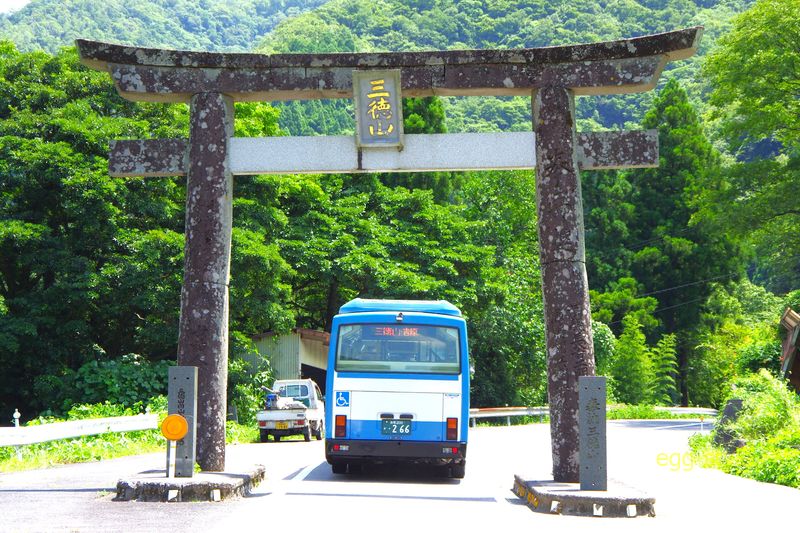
column 361, row 305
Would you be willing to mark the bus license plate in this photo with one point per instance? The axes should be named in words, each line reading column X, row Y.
column 281, row 425
column 396, row 427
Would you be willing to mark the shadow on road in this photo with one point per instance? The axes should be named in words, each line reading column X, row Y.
column 386, row 473
column 96, row 489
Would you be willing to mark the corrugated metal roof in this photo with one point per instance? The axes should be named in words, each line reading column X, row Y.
column 361, row 305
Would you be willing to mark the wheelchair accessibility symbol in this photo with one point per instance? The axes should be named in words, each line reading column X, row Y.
column 343, row 399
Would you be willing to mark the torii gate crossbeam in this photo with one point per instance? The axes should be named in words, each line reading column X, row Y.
column 552, row 76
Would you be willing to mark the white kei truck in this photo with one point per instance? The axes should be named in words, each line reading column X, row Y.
column 292, row 407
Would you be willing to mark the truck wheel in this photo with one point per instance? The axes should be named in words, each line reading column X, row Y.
column 307, row 433
column 339, row 468
column 320, row 430
column 263, row 434
column 457, row 471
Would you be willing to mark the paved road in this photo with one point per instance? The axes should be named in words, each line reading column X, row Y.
column 301, row 490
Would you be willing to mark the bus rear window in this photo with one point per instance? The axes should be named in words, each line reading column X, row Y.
column 398, row 348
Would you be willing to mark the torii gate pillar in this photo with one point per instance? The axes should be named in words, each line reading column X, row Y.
column 203, row 330
column 568, row 323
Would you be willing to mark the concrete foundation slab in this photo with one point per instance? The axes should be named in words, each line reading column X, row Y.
column 620, row 500
column 154, row 486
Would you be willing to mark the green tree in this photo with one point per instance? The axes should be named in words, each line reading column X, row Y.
column 620, row 300
column 755, row 73
column 665, row 369
column 609, row 215
column 674, row 258
column 91, row 266
column 632, row 369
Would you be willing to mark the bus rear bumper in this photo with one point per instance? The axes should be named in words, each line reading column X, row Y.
column 347, row 450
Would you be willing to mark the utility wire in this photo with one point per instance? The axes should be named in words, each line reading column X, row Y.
column 715, row 278
column 664, row 309
column 656, row 239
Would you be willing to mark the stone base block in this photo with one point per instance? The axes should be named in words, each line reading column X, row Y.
column 568, row 499
column 154, row 486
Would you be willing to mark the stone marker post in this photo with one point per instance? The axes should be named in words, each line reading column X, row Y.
column 203, row 334
column 568, row 327
column 182, row 400
column 592, row 399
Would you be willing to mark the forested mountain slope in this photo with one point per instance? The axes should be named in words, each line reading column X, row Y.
column 362, row 25
column 230, row 25
column 395, row 25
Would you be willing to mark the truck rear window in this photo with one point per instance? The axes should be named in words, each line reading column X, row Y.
column 293, row 391
column 398, row 348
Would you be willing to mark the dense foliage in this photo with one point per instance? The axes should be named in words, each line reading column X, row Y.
column 398, row 25
column 755, row 75
column 91, row 265
column 222, row 25
column 677, row 257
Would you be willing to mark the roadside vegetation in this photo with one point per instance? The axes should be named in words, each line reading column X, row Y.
column 764, row 439
column 105, row 446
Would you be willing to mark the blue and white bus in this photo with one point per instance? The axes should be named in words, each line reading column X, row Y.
column 397, row 385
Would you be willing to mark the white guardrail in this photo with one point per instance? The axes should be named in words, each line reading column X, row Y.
column 18, row 436
column 508, row 412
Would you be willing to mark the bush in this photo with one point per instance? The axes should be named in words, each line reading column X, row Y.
column 100, row 410
column 767, row 406
column 754, row 357
column 770, row 424
column 764, row 461
column 128, row 380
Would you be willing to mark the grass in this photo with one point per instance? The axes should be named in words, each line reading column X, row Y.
column 100, row 447
column 615, row 412
column 643, row 412
column 80, row 450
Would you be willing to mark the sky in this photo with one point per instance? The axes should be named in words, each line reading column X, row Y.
column 11, row 5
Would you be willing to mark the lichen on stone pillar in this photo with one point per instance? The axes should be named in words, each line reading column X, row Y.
column 203, row 332
column 567, row 316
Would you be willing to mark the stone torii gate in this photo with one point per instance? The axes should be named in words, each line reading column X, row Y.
column 552, row 76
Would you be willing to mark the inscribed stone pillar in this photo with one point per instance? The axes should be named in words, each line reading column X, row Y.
column 568, row 329
column 203, row 336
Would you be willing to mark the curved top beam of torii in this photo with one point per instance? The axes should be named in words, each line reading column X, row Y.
column 158, row 75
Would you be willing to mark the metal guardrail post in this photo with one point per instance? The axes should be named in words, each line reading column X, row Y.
column 17, row 416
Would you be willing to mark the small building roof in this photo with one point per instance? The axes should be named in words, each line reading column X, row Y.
column 361, row 305
column 790, row 365
column 306, row 334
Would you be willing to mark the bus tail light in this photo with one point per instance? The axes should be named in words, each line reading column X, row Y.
column 452, row 429
column 341, row 427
